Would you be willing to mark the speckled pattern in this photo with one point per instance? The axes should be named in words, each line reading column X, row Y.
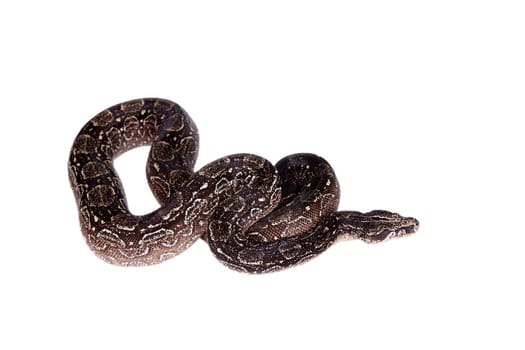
column 256, row 217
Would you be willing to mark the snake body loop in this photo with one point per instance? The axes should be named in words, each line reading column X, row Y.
column 255, row 217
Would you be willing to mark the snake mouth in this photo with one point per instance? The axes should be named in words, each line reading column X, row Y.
column 413, row 227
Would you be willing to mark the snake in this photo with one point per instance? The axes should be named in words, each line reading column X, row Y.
column 256, row 217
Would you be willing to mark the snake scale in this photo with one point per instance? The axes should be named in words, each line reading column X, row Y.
column 256, row 217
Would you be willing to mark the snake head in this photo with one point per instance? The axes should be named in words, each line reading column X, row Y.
column 375, row 226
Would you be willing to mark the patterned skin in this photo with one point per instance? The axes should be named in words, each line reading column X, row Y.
column 255, row 217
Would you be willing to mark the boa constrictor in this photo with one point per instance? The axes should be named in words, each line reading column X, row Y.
column 256, row 217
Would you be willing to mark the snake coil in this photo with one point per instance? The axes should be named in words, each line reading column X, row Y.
column 256, row 217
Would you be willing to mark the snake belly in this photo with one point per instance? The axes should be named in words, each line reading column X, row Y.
column 256, row 217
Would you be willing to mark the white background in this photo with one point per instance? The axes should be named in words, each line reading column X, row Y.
column 416, row 104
